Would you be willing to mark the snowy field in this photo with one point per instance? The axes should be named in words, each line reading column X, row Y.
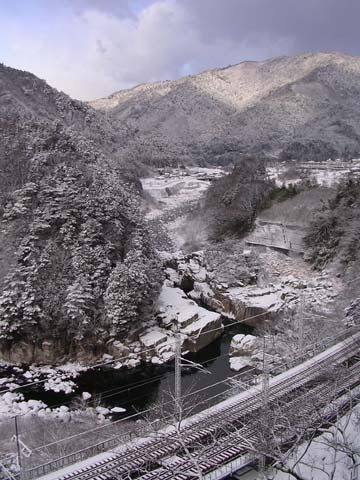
column 178, row 187
column 325, row 174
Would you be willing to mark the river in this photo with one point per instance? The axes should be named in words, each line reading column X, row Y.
column 141, row 387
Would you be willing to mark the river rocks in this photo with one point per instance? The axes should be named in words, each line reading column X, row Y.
column 198, row 326
column 239, row 363
column 118, row 410
column 150, row 342
column 244, row 351
column 191, row 269
column 173, row 276
column 203, row 331
column 153, row 338
column 205, row 296
column 117, row 349
column 243, row 345
column 166, row 351
column 176, row 307
column 230, row 264
column 216, row 279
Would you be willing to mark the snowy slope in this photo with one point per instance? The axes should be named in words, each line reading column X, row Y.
column 303, row 106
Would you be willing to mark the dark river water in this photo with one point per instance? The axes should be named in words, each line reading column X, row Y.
column 145, row 385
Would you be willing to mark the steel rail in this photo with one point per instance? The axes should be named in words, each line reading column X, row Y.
column 154, row 449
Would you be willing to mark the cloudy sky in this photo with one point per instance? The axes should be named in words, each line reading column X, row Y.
column 91, row 48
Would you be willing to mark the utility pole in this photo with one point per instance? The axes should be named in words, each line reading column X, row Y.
column 18, row 444
column 22, row 448
column 301, row 326
column 265, row 377
column 177, row 375
column 265, row 404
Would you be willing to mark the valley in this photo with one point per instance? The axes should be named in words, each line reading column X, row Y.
column 209, row 223
column 222, row 298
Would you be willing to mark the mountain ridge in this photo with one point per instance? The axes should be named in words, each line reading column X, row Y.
column 265, row 107
column 218, row 69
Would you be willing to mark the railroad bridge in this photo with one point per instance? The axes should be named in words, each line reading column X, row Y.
column 217, row 438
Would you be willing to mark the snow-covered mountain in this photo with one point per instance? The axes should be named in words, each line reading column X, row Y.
column 304, row 106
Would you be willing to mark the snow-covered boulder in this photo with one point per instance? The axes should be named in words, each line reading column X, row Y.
column 118, row 410
column 156, row 361
column 166, row 351
column 172, row 275
column 243, row 351
column 86, row 396
column 102, row 410
column 200, row 333
column 198, row 326
column 239, row 363
column 153, row 338
column 175, row 306
column 253, row 304
column 243, row 345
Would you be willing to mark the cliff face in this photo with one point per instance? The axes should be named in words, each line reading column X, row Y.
column 305, row 107
column 75, row 257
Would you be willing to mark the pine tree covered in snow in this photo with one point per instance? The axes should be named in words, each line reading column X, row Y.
column 76, row 263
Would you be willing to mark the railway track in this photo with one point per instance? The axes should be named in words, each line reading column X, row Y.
column 234, row 446
column 213, row 422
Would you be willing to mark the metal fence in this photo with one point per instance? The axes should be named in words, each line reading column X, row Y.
column 223, row 471
column 74, row 457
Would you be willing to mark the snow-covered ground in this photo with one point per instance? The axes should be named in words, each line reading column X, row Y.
column 171, row 196
column 175, row 188
column 333, row 455
column 238, row 275
column 240, row 397
column 326, row 174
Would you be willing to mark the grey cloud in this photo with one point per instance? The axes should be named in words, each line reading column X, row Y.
column 106, row 45
column 311, row 24
column 215, row 33
column 121, row 8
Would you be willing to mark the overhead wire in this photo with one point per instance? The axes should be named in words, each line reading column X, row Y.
column 144, row 351
column 141, row 413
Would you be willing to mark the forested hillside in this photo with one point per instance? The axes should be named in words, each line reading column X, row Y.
column 335, row 229
column 232, row 202
column 297, row 107
column 75, row 257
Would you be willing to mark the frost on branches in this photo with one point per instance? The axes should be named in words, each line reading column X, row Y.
column 84, row 267
column 71, row 231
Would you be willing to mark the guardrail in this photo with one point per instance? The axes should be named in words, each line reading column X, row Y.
column 271, row 243
column 53, row 465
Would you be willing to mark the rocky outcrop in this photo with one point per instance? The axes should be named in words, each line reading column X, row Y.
column 23, row 352
column 198, row 326
column 205, row 282
column 207, row 328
